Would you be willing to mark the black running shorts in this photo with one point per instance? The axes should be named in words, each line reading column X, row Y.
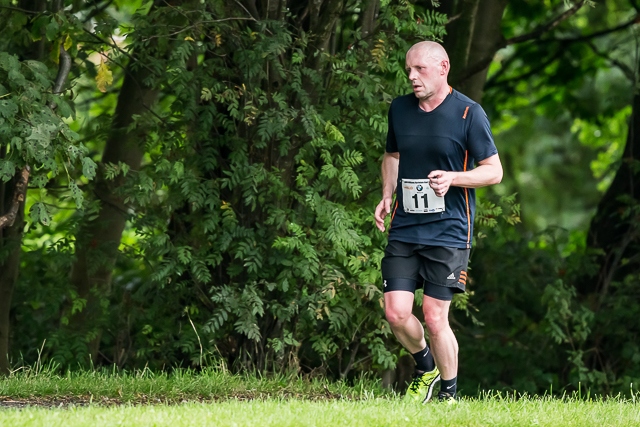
column 440, row 271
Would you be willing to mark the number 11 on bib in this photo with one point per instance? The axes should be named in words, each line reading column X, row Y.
column 419, row 197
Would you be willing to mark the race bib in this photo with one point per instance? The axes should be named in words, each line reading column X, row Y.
column 418, row 197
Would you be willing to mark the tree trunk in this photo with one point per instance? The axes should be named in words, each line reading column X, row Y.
column 12, row 200
column 369, row 16
column 460, row 35
column 99, row 238
column 10, row 249
column 615, row 229
column 473, row 38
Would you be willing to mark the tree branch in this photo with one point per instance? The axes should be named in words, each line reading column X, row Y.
column 633, row 21
column 548, row 26
column 113, row 46
column 494, row 82
column 119, row 49
column 195, row 25
column 63, row 73
column 253, row 13
column 626, row 70
column 483, row 63
column 352, row 360
column 18, row 9
column 98, row 10
column 20, row 191
column 21, row 187
column 478, row 66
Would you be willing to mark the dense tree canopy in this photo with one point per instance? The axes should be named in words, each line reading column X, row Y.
column 202, row 177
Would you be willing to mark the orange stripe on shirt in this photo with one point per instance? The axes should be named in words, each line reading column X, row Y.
column 466, row 110
column 466, row 199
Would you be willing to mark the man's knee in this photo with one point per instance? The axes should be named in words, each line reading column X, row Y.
column 435, row 320
column 396, row 316
column 398, row 306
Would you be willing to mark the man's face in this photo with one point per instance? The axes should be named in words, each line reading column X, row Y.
column 424, row 72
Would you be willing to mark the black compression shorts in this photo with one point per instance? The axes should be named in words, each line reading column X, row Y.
column 440, row 271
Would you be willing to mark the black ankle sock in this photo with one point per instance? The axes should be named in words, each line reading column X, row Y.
column 424, row 360
column 449, row 386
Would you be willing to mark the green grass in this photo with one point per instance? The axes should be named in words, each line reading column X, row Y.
column 177, row 387
column 215, row 398
column 374, row 412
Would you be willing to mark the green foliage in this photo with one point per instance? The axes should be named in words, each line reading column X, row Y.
column 488, row 213
column 42, row 290
column 37, row 137
column 256, row 213
column 251, row 242
column 525, row 310
column 559, row 112
column 568, row 322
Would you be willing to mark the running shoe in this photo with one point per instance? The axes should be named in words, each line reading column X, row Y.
column 421, row 387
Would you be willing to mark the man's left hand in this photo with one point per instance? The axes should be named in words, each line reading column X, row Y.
column 440, row 181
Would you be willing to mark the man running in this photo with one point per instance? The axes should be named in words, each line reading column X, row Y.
column 435, row 137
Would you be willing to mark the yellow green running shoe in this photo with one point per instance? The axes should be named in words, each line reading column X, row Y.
column 421, row 388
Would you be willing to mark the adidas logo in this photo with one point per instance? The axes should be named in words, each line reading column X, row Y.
column 451, row 277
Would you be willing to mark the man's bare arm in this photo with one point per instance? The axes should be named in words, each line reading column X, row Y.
column 390, row 163
column 487, row 172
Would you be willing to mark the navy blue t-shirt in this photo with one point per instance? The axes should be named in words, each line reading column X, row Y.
column 450, row 138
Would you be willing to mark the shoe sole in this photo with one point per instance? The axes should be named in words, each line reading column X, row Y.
column 430, row 390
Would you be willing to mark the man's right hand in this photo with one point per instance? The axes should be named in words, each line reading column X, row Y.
column 382, row 210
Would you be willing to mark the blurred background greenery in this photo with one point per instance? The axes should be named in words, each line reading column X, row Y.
column 203, row 182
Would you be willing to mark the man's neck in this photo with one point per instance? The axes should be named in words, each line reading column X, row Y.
column 431, row 103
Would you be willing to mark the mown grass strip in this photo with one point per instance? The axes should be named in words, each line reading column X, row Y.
column 369, row 412
column 49, row 388
column 215, row 397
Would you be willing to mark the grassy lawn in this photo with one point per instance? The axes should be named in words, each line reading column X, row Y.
column 375, row 412
column 48, row 388
column 219, row 399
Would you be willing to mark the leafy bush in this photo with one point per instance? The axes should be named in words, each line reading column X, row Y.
column 266, row 175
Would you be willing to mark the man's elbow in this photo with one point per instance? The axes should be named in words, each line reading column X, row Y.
column 493, row 171
column 497, row 177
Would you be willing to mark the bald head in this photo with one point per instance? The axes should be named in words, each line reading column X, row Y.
column 429, row 50
column 427, row 66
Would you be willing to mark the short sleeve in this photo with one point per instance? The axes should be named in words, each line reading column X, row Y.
column 392, row 143
column 479, row 136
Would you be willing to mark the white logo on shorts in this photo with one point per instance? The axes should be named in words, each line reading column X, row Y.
column 384, row 283
column 451, row 277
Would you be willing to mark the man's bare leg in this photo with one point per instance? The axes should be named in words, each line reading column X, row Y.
column 410, row 332
column 405, row 326
column 444, row 344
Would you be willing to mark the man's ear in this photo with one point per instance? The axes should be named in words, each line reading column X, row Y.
column 444, row 67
